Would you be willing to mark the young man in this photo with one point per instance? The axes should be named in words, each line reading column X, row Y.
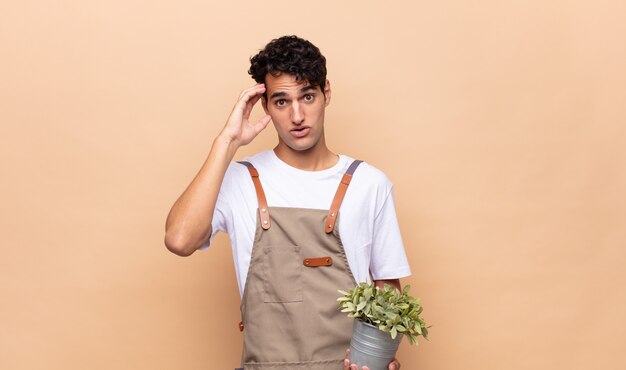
column 303, row 221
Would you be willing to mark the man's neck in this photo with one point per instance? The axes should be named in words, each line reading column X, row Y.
column 315, row 159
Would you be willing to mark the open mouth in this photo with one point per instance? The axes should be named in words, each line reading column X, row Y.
column 300, row 131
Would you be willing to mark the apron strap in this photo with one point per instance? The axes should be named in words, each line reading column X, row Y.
column 264, row 213
column 341, row 192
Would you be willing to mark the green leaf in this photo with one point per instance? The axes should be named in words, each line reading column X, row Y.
column 387, row 308
column 367, row 293
column 368, row 309
column 361, row 305
column 412, row 339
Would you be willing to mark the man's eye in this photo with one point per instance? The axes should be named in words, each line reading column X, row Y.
column 280, row 102
column 308, row 97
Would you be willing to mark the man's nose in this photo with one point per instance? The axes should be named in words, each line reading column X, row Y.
column 297, row 115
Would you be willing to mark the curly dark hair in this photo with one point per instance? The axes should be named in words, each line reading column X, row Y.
column 293, row 55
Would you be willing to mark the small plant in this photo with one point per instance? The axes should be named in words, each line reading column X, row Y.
column 388, row 309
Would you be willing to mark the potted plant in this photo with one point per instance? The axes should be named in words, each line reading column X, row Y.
column 382, row 317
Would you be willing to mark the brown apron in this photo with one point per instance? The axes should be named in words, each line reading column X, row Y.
column 289, row 303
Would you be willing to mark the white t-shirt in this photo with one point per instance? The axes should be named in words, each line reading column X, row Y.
column 368, row 226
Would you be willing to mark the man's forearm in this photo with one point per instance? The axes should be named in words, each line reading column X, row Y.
column 188, row 223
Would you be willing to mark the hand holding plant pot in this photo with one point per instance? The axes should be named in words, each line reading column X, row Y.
column 383, row 317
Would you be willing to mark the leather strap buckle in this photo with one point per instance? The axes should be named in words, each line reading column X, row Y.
column 319, row 261
column 329, row 223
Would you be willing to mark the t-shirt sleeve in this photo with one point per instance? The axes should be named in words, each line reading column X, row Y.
column 388, row 259
column 222, row 210
column 218, row 223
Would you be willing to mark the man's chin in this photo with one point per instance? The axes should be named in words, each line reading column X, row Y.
column 300, row 147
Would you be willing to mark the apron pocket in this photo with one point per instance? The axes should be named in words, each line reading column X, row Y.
column 282, row 274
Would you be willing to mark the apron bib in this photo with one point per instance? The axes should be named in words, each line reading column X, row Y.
column 289, row 304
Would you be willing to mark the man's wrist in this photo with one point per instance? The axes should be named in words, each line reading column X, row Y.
column 224, row 138
column 227, row 141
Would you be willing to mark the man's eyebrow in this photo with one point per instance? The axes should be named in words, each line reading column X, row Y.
column 307, row 88
column 280, row 94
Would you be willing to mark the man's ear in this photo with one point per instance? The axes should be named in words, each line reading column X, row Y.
column 327, row 93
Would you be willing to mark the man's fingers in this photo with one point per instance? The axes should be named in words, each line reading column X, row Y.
column 254, row 99
column 259, row 126
column 250, row 88
column 251, row 102
column 394, row 365
column 248, row 99
column 252, row 91
column 245, row 103
column 249, row 105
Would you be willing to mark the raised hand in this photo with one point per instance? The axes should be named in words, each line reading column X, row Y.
column 238, row 128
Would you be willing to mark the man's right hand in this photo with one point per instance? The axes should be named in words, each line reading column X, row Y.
column 239, row 130
column 187, row 226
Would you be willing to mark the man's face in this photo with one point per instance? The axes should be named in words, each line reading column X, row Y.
column 297, row 110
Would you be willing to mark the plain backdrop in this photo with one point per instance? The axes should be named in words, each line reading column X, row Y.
column 502, row 125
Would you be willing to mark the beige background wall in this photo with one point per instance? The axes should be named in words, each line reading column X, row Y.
column 500, row 123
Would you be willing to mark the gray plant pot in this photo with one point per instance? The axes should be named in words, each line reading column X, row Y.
column 372, row 347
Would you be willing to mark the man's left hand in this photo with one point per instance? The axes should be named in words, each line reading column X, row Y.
column 393, row 365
